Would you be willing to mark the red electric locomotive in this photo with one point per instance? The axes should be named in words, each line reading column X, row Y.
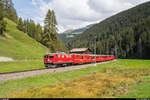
column 53, row 60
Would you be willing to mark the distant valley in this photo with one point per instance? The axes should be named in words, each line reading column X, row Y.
column 71, row 33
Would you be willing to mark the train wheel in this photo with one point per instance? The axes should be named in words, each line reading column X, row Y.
column 64, row 65
column 71, row 64
column 51, row 66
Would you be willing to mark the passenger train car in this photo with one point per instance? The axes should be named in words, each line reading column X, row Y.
column 52, row 60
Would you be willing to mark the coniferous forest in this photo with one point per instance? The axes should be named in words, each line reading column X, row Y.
column 125, row 35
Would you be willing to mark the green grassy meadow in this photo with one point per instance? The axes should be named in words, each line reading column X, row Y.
column 21, row 65
column 122, row 78
column 26, row 52
column 19, row 45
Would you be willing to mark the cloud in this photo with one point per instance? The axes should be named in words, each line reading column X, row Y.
column 71, row 9
column 109, row 6
column 33, row 2
column 79, row 13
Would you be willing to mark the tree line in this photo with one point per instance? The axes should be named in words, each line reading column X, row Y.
column 6, row 11
column 2, row 22
column 9, row 10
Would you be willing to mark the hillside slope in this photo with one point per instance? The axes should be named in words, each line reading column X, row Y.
column 122, row 34
column 19, row 45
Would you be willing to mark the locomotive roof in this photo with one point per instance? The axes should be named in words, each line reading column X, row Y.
column 78, row 49
column 56, row 52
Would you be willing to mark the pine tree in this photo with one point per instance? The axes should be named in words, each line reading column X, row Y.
column 50, row 35
column 32, row 29
column 38, row 32
column 9, row 10
column 32, row 32
column 8, row 4
column 28, row 26
column 1, row 11
column 20, row 25
column 2, row 22
column 25, row 26
column 49, row 31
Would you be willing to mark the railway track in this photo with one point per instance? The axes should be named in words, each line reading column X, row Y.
column 28, row 73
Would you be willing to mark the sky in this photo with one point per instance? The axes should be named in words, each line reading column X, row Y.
column 72, row 14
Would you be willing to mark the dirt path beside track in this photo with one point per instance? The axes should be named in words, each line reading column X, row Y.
column 5, row 59
column 18, row 75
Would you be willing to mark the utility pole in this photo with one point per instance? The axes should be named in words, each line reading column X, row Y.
column 116, row 52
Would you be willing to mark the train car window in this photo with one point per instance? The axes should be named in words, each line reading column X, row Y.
column 104, row 57
column 51, row 56
column 82, row 57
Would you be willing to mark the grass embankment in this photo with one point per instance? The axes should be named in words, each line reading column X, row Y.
column 20, row 66
column 19, row 45
column 124, row 78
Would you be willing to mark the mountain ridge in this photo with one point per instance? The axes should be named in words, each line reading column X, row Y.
column 110, row 30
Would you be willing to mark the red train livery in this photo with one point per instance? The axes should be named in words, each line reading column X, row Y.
column 53, row 60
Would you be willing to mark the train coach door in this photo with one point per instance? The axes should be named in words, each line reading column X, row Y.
column 63, row 59
column 59, row 58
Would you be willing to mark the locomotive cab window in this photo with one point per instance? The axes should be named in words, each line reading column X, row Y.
column 45, row 56
column 51, row 56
